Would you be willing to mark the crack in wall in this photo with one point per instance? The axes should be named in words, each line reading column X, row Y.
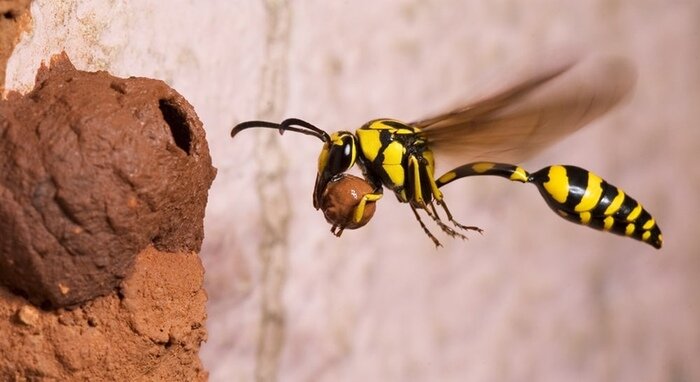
column 270, row 188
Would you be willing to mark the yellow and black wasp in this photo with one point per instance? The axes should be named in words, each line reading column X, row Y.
column 508, row 126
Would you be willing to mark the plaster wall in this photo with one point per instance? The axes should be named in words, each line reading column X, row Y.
column 534, row 298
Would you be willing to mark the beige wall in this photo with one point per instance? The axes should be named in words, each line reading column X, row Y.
column 535, row 298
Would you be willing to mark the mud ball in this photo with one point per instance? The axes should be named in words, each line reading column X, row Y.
column 340, row 198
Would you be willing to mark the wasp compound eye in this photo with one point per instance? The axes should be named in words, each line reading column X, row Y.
column 338, row 160
column 341, row 155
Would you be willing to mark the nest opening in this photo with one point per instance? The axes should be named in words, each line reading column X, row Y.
column 177, row 121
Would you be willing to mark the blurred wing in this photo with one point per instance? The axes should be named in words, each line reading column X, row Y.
column 523, row 119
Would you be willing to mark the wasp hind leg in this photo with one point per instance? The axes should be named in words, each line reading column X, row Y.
column 421, row 173
column 432, row 212
column 437, row 195
column 441, row 203
column 425, row 229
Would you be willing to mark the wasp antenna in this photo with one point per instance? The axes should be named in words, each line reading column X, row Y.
column 247, row 125
column 300, row 122
column 286, row 125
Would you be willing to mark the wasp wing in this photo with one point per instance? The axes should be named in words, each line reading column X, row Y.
column 519, row 121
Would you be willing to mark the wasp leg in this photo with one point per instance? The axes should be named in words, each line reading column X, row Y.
column 437, row 194
column 360, row 208
column 456, row 223
column 425, row 229
column 418, row 199
column 447, row 229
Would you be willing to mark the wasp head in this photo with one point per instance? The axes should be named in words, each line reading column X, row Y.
column 337, row 156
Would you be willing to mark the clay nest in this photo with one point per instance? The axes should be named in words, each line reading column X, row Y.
column 93, row 169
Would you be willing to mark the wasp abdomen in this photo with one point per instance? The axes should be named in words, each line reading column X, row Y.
column 583, row 197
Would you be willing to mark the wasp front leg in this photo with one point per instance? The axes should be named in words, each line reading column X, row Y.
column 360, row 208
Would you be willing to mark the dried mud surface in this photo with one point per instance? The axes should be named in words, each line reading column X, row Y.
column 149, row 330
column 14, row 19
column 93, row 169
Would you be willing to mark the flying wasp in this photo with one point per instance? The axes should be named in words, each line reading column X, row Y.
column 507, row 126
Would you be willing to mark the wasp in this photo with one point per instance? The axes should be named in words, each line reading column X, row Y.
column 505, row 127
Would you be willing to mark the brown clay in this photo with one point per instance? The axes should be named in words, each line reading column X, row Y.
column 93, row 169
column 340, row 198
column 149, row 330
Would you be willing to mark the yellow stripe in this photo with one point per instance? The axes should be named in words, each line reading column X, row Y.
column 616, row 203
column 646, row 235
column 629, row 230
column 370, row 143
column 635, row 213
column 650, row 223
column 396, row 174
column 558, row 185
column 447, row 177
column 323, row 158
column 519, row 174
column 393, row 153
column 585, row 217
column 608, row 223
column 353, row 147
column 592, row 195
column 482, row 167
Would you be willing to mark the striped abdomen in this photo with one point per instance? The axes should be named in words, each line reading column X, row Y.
column 583, row 197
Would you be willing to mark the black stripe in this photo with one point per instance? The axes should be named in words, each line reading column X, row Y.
column 578, row 182
column 642, row 219
column 395, row 124
column 628, row 204
column 619, row 227
column 385, row 137
column 608, row 195
column 596, row 222
column 424, row 181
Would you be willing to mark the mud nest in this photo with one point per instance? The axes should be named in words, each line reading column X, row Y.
column 93, row 169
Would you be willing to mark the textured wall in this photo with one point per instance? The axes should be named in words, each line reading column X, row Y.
column 535, row 298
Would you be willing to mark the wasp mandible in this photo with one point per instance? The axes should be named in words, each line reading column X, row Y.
column 507, row 126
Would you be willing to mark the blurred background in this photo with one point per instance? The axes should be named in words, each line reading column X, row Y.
column 534, row 298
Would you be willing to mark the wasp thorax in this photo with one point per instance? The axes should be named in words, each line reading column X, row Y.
column 340, row 198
